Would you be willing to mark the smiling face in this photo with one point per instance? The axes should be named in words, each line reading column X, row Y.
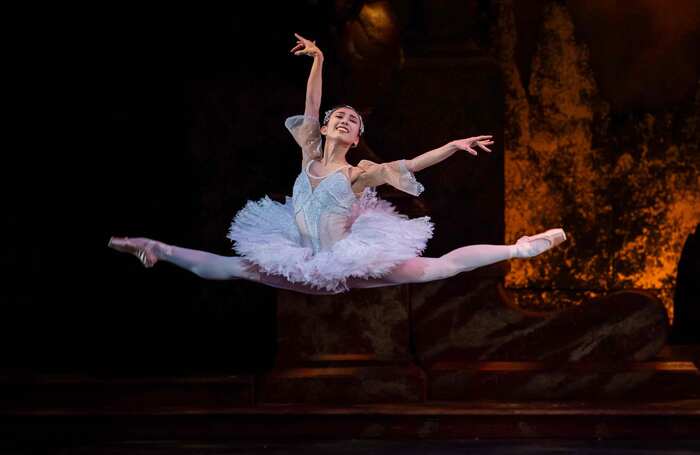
column 343, row 125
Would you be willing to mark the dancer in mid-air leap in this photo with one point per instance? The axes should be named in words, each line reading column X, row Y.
column 335, row 233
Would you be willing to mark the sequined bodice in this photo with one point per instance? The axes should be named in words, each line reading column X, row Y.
column 321, row 212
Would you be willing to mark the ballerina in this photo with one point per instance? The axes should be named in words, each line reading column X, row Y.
column 335, row 234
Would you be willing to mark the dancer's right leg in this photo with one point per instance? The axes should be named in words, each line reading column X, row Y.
column 215, row 267
column 208, row 265
column 204, row 264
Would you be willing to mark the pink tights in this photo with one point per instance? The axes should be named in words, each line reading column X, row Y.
column 415, row 270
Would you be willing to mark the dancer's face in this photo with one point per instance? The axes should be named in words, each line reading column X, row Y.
column 344, row 125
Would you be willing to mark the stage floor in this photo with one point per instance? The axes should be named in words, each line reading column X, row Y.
column 387, row 447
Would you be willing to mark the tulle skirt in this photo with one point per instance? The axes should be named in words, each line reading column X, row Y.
column 378, row 239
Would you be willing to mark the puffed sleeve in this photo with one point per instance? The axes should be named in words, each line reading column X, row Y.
column 395, row 173
column 306, row 131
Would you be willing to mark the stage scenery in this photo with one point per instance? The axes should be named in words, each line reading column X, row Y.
column 390, row 226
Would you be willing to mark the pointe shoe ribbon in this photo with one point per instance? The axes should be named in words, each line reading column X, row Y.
column 144, row 251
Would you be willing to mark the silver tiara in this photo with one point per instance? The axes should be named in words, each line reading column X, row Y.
column 327, row 117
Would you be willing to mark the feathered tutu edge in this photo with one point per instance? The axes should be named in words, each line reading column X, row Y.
column 379, row 238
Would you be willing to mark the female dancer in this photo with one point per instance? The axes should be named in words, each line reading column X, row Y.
column 335, row 233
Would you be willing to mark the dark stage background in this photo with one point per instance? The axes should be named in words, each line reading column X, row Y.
column 170, row 120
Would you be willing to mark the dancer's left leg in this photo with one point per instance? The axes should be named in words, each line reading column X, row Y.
column 424, row 269
column 464, row 259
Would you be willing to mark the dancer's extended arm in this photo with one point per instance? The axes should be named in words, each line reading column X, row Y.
column 434, row 156
column 400, row 173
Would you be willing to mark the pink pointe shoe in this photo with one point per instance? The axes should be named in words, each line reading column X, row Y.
column 142, row 248
column 527, row 247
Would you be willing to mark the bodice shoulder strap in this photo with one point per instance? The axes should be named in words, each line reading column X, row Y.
column 308, row 166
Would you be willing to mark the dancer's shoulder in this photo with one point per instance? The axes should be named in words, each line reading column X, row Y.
column 395, row 173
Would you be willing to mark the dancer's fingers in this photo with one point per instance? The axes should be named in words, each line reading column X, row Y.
column 301, row 38
column 472, row 151
column 485, row 148
column 295, row 48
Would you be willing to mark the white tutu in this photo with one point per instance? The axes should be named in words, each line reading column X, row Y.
column 378, row 238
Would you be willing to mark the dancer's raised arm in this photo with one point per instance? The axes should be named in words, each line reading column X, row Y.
column 314, row 85
column 306, row 128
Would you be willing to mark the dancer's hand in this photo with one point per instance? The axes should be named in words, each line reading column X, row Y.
column 306, row 47
column 468, row 143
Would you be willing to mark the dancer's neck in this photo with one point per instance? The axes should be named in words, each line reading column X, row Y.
column 334, row 154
